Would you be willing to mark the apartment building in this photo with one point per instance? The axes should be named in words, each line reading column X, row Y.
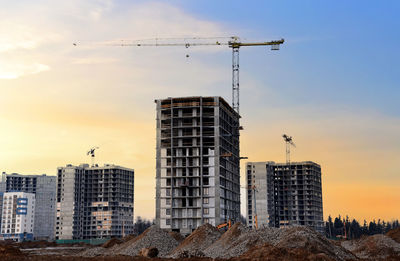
column 94, row 202
column 44, row 188
column 283, row 194
column 197, row 166
column 18, row 214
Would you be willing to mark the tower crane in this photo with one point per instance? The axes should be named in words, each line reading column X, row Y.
column 288, row 218
column 289, row 142
column 233, row 42
column 91, row 153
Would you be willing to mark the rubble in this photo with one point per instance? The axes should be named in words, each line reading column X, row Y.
column 294, row 240
column 306, row 239
column 194, row 245
column 152, row 237
column 394, row 234
column 376, row 247
column 234, row 242
column 208, row 243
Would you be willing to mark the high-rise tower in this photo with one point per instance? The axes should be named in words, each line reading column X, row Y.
column 197, row 167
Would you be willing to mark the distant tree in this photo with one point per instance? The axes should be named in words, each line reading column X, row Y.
column 141, row 225
column 338, row 226
column 341, row 226
column 372, row 228
column 329, row 228
column 355, row 229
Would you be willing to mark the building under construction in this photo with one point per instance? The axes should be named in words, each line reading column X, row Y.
column 197, row 163
column 94, row 202
column 282, row 194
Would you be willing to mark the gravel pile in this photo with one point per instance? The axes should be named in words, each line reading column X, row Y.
column 300, row 240
column 376, row 247
column 234, row 242
column 152, row 237
column 194, row 245
column 394, row 234
column 314, row 243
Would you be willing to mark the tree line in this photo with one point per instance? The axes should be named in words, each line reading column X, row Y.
column 348, row 228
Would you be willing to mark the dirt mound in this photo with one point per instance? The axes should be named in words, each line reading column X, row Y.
column 269, row 252
column 303, row 240
column 194, row 245
column 10, row 251
column 293, row 242
column 128, row 237
column 152, row 237
column 376, row 247
column 394, row 234
column 112, row 242
column 234, row 242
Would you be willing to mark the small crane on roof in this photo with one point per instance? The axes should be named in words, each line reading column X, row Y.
column 91, row 153
column 289, row 142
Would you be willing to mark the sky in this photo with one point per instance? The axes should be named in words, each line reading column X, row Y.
column 333, row 86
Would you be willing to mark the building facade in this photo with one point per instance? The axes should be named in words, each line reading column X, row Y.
column 197, row 165
column 281, row 194
column 44, row 188
column 94, row 202
column 18, row 215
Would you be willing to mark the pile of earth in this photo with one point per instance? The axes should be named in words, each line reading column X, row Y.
column 289, row 243
column 194, row 245
column 376, row 247
column 10, row 252
column 394, row 234
column 152, row 237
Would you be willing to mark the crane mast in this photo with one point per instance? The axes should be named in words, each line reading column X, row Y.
column 232, row 42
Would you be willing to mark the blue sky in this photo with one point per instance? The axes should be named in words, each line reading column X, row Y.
column 338, row 52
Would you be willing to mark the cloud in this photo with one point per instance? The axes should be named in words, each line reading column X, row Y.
column 94, row 60
column 13, row 71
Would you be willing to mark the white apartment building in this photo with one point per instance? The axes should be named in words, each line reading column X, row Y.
column 18, row 214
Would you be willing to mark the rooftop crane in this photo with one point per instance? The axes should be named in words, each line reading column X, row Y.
column 233, row 42
column 289, row 142
column 91, row 153
column 287, row 199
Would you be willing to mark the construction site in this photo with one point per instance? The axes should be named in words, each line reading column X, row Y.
column 209, row 243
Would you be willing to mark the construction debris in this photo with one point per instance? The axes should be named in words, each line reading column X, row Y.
column 208, row 243
column 394, row 234
column 238, row 240
column 194, row 245
column 376, row 247
column 151, row 237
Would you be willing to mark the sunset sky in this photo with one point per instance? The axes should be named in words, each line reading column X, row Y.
column 334, row 86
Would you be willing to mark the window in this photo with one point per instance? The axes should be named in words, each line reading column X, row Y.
column 168, row 222
column 205, row 200
column 168, row 192
column 168, row 211
column 205, row 191
column 206, row 211
column 168, row 201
